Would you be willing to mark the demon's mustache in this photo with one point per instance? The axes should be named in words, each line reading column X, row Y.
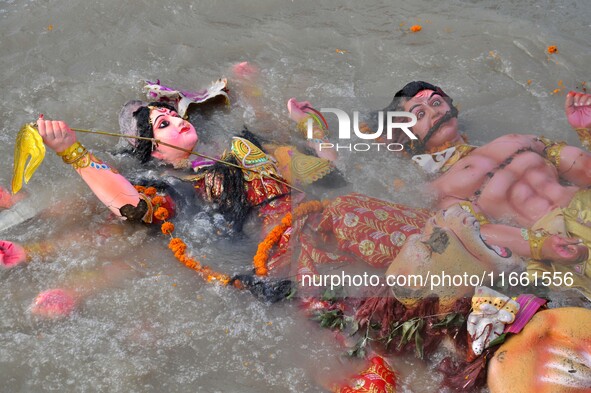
column 419, row 146
column 445, row 118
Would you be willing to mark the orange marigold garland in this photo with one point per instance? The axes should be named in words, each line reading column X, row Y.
column 179, row 248
column 150, row 191
column 158, row 200
column 167, row 228
column 262, row 255
column 177, row 245
column 161, row 213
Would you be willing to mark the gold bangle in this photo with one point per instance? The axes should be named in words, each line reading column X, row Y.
column 553, row 153
column 536, row 242
column 73, row 153
column 83, row 161
column 76, row 155
column 149, row 216
column 552, row 150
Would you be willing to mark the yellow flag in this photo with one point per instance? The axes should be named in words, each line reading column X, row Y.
column 28, row 144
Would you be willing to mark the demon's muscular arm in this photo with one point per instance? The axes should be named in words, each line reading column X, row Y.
column 110, row 187
column 556, row 248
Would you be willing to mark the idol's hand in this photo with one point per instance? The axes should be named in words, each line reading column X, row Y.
column 564, row 251
column 56, row 134
column 298, row 110
column 245, row 70
column 578, row 109
column 11, row 254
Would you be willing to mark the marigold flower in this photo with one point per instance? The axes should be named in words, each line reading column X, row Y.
column 157, row 200
column 415, row 28
column 167, row 228
column 176, row 244
column 161, row 213
column 552, row 49
column 286, row 221
column 183, row 258
column 179, row 247
column 261, row 271
column 140, row 188
column 274, row 236
column 150, row 191
column 190, row 264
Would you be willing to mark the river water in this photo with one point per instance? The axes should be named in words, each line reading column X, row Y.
column 148, row 324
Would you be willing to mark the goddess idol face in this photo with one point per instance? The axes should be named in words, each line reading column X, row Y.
column 170, row 128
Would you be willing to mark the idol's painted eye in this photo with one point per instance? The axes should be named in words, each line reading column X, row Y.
column 164, row 124
column 420, row 114
column 436, row 103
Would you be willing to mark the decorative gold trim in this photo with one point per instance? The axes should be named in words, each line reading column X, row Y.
column 76, row 155
column 552, row 150
column 536, row 242
column 584, row 135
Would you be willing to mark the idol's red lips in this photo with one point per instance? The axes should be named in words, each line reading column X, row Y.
column 185, row 129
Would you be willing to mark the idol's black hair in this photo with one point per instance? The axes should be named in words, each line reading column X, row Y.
column 143, row 148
